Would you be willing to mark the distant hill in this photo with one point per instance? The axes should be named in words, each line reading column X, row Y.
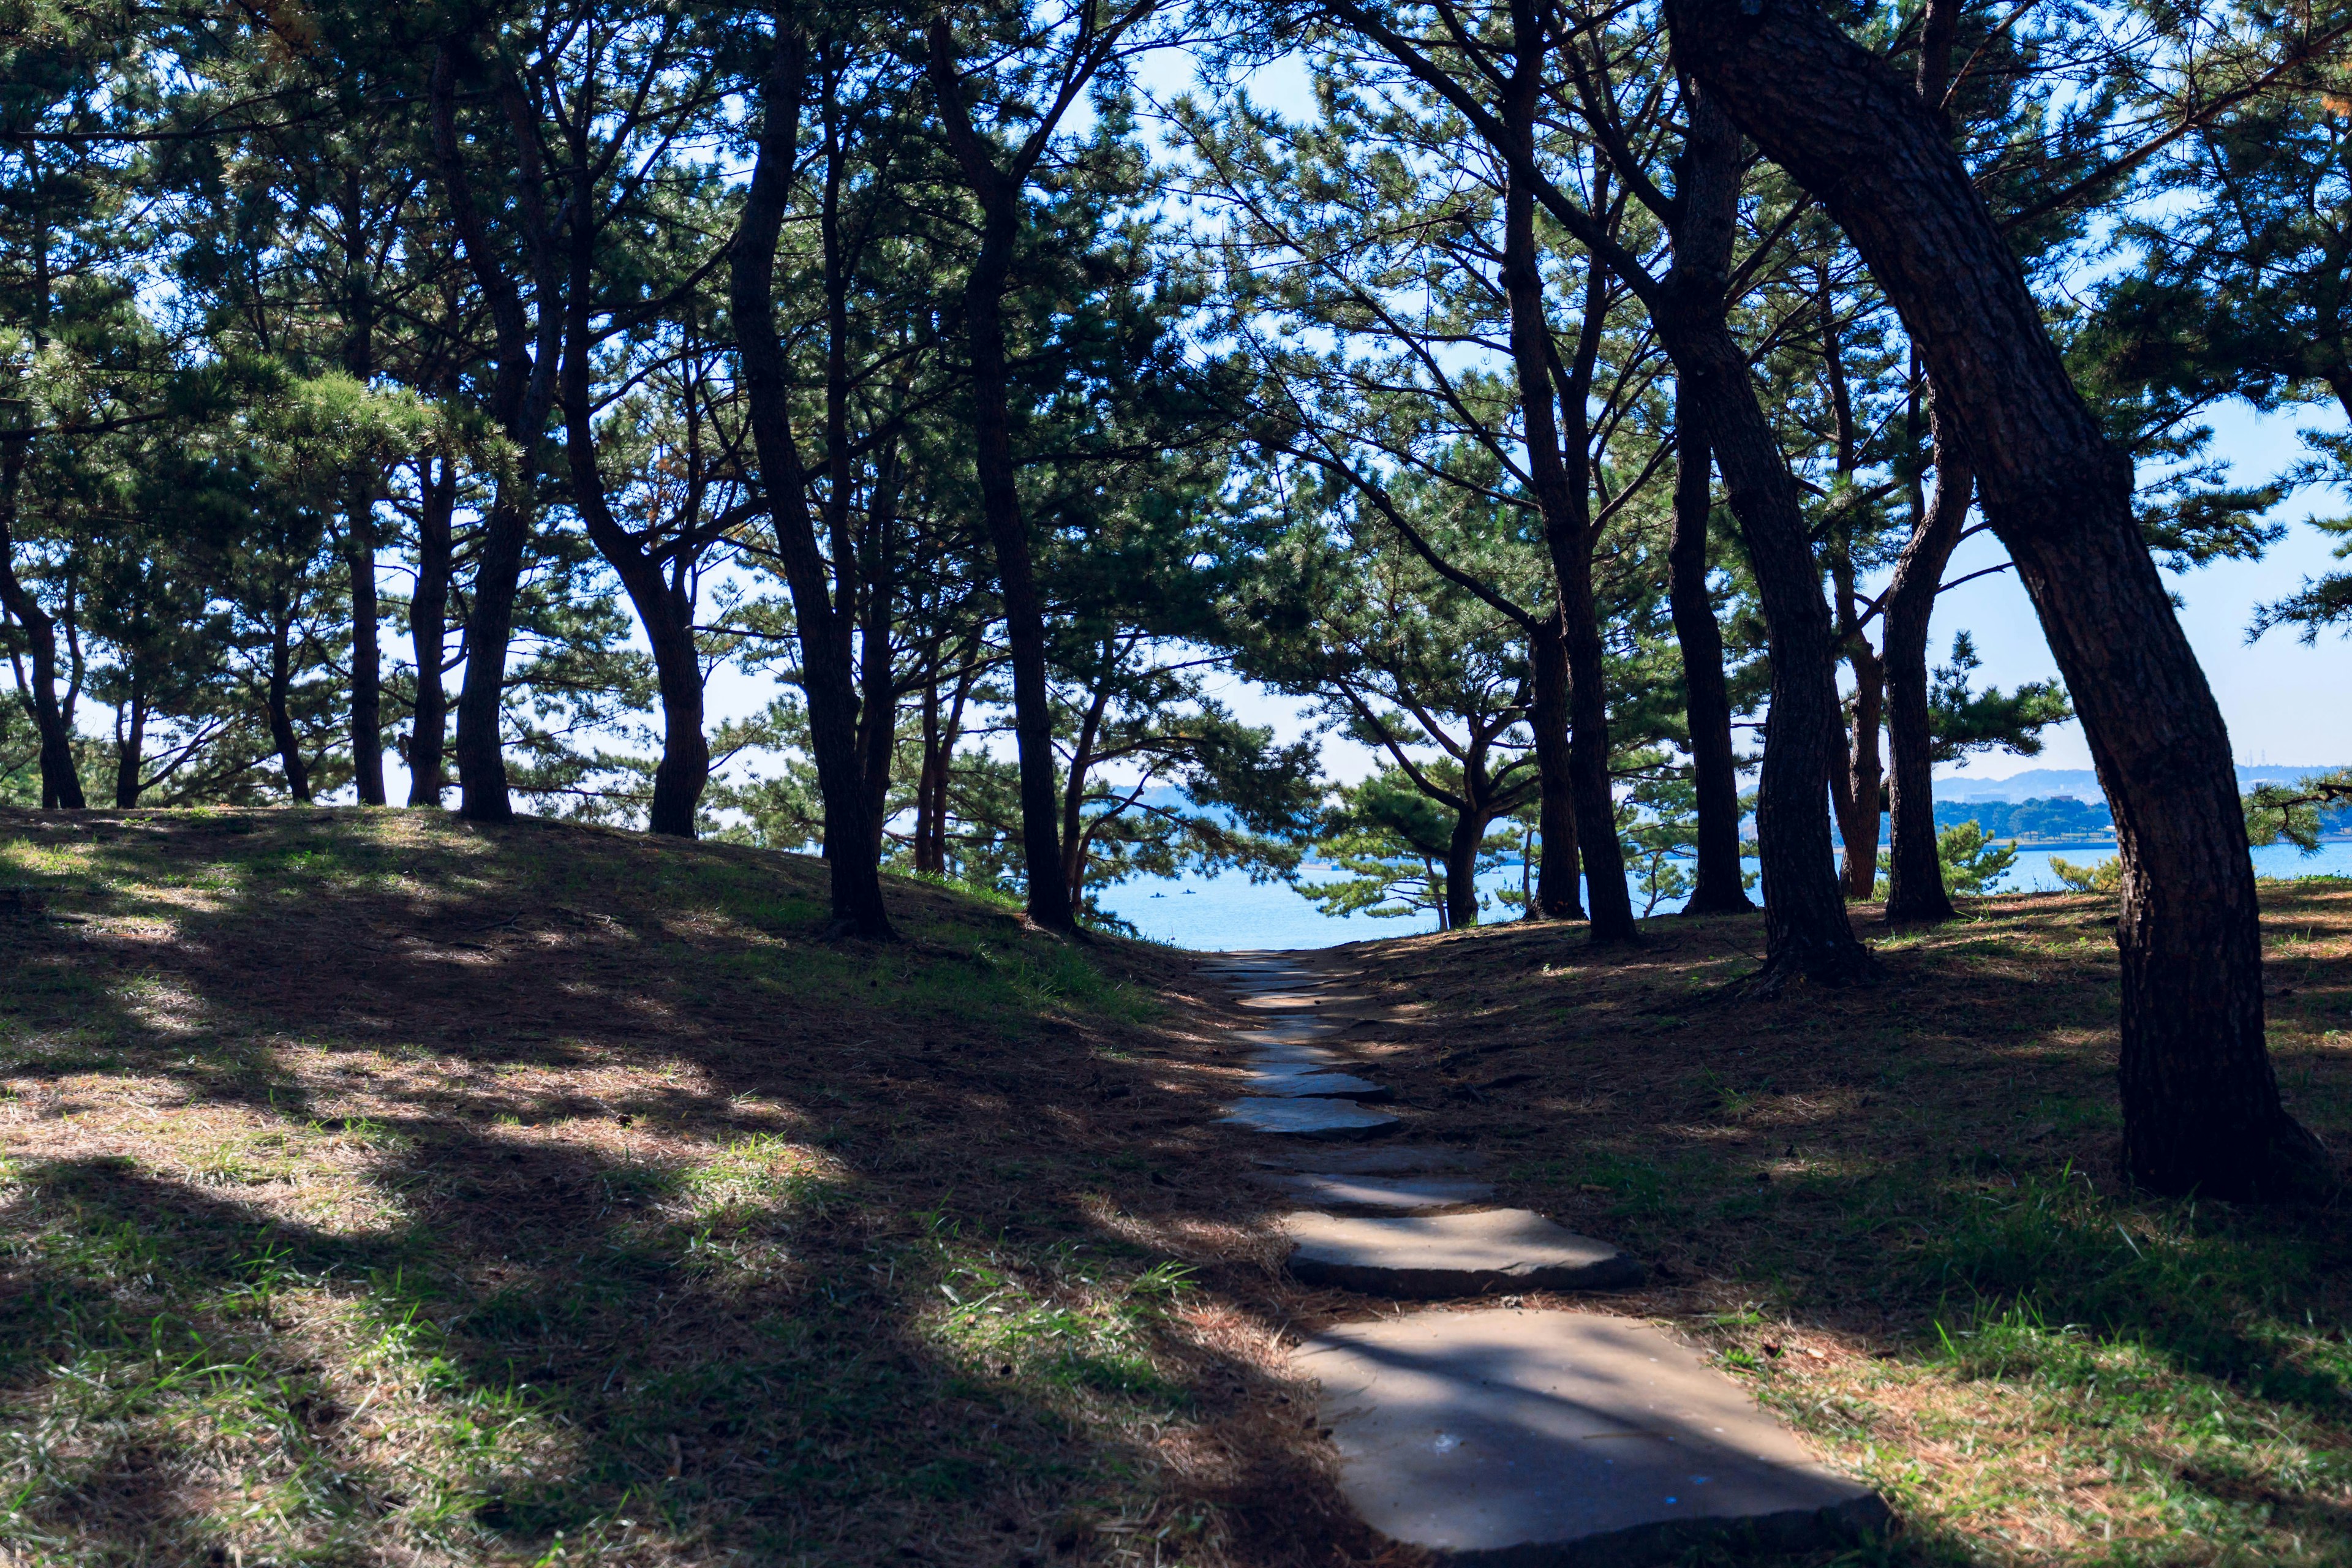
column 2082, row 784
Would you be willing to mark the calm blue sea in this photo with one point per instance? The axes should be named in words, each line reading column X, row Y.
column 1217, row 913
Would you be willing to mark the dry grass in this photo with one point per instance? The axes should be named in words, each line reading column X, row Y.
column 379, row 1189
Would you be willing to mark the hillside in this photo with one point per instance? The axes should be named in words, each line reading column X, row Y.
column 381, row 1189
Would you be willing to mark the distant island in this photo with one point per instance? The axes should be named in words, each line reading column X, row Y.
column 2051, row 806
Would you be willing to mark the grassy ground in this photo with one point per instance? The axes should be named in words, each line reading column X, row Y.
column 1894, row 1212
column 379, row 1189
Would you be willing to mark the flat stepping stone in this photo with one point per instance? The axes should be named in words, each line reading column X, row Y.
column 1297, row 1058
column 1559, row 1437
column 1442, row 1255
column 1329, row 1119
column 1380, row 1192
column 1389, row 1158
column 1295, row 1084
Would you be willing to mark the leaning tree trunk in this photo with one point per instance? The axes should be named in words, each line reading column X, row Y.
column 1556, row 897
column 2202, row 1110
column 1915, row 870
column 428, row 610
column 1716, row 887
column 1805, row 925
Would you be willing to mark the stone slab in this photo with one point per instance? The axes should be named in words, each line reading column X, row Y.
column 1380, row 1192
column 1566, row 1440
column 1297, row 1058
column 1294, row 1083
column 1329, row 1118
column 1286, row 1039
column 1389, row 1158
column 1434, row 1256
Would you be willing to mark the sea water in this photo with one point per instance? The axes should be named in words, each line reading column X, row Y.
column 1223, row 913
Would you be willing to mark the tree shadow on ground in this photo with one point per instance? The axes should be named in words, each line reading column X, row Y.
column 504, row 1195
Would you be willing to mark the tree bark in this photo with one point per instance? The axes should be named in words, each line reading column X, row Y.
column 1556, row 893
column 1462, row 870
column 999, row 495
column 659, row 596
column 1716, row 887
column 878, row 692
column 1805, row 925
column 1915, row 870
column 428, row 610
column 1554, row 442
column 129, row 748
column 2202, row 1109
column 1860, row 786
column 277, row 701
column 522, row 392
column 367, row 655
column 827, row 680
column 60, row 782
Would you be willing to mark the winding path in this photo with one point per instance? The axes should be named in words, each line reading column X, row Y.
column 1485, row 1431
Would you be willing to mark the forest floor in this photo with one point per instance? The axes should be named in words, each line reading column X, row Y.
column 375, row 1188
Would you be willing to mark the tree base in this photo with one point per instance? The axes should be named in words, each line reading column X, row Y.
column 1836, row 965
column 1731, row 904
column 2292, row 1166
column 1920, row 913
column 844, row 927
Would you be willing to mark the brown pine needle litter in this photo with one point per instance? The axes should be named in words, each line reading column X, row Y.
column 380, row 1188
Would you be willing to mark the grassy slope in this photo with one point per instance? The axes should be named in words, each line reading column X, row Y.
column 379, row 1189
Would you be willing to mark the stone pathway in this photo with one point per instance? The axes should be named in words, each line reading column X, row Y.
column 1501, row 1435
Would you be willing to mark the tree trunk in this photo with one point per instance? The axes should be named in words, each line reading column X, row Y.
column 278, row 701
column 2202, row 1110
column 1860, row 792
column 522, row 391
column 367, row 657
column 877, row 696
column 1462, row 870
column 827, row 680
column 1805, row 925
column 429, row 611
column 130, row 748
column 1556, row 893
column 939, row 736
column 1915, row 870
column 1000, row 494
column 1716, row 885
column 930, row 788
column 660, row 598
column 1024, row 613
column 60, row 784
column 1554, row 442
